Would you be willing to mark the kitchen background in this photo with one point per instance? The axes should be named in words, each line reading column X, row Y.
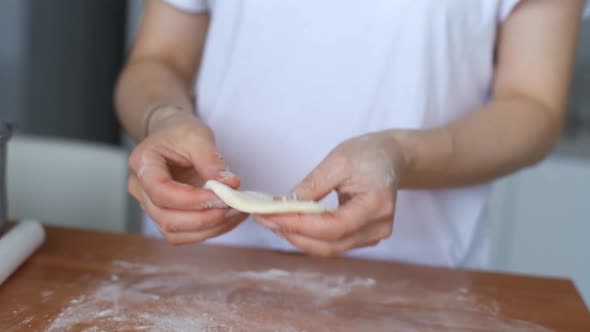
column 58, row 63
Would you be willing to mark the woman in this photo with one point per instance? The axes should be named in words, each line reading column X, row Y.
column 405, row 108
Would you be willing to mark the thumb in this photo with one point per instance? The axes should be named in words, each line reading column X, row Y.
column 211, row 166
column 320, row 182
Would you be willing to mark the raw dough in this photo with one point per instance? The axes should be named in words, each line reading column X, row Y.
column 260, row 203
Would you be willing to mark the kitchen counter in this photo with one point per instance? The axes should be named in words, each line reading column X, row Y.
column 92, row 281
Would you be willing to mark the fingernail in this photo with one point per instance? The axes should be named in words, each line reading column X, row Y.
column 271, row 226
column 142, row 169
column 232, row 213
column 211, row 205
column 266, row 223
column 226, row 174
column 217, row 205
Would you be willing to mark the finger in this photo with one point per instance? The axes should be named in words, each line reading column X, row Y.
column 177, row 221
column 135, row 189
column 195, row 237
column 155, row 179
column 210, row 164
column 347, row 219
column 321, row 180
column 233, row 214
column 369, row 236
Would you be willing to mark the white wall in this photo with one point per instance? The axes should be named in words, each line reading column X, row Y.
column 542, row 220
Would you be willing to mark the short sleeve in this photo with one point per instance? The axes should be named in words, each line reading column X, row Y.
column 507, row 6
column 192, row 6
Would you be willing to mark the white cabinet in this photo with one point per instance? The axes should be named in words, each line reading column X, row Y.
column 541, row 221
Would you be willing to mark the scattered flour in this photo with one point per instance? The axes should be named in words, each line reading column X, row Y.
column 180, row 298
column 23, row 325
column 145, row 297
column 324, row 287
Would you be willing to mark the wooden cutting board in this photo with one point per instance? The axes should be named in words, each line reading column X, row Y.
column 91, row 281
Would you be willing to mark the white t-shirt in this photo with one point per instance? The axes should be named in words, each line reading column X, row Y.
column 284, row 82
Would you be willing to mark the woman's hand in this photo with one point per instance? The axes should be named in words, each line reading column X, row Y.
column 168, row 170
column 364, row 171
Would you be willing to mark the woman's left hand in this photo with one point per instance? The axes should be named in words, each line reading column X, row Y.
column 364, row 171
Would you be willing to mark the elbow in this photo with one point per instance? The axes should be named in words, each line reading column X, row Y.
column 549, row 133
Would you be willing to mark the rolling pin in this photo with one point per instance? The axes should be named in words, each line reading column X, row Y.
column 17, row 245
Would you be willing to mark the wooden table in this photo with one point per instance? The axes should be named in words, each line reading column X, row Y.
column 91, row 281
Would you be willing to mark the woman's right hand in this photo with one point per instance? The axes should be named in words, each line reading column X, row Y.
column 168, row 169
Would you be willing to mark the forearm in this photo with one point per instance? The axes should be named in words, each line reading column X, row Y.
column 145, row 84
column 500, row 138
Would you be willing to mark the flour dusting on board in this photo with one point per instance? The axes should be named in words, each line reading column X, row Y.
column 323, row 287
column 23, row 325
column 145, row 297
column 180, row 298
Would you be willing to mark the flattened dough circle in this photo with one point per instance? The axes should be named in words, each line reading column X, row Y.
column 260, row 203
